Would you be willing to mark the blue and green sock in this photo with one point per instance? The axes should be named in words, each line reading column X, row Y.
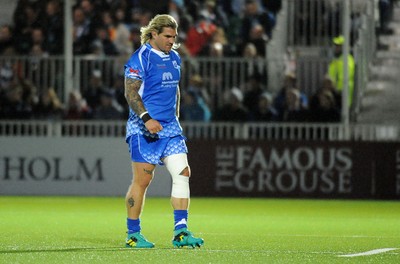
column 180, row 219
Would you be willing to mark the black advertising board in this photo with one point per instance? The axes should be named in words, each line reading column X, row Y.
column 294, row 169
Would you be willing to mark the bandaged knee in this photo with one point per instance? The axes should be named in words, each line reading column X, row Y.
column 180, row 183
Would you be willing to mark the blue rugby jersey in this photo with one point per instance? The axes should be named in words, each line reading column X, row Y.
column 160, row 75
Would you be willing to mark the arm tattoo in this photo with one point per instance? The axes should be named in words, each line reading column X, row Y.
column 131, row 202
column 132, row 96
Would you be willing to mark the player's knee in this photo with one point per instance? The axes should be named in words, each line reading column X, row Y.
column 144, row 184
column 180, row 183
column 142, row 181
column 185, row 171
column 179, row 169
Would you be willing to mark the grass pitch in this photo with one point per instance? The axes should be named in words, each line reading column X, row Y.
column 92, row 230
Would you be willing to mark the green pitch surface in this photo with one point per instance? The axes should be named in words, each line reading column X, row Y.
column 92, row 230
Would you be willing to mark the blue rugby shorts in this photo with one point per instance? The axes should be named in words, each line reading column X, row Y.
column 153, row 150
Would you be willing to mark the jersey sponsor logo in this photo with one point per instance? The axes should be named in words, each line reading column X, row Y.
column 161, row 66
column 176, row 66
column 167, row 76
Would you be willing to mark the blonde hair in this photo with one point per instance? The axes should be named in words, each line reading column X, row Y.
column 157, row 24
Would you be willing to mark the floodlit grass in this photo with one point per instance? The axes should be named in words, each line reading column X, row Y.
column 92, row 230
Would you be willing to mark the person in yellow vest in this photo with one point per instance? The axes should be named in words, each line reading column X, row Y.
column 336, row 68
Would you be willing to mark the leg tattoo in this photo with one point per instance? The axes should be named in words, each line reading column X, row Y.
column 131, row 202
column 150, row 172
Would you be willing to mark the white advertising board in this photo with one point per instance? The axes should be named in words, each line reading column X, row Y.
column 70, row 166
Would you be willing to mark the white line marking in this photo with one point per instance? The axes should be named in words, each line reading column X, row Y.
column 301, row 235
column 371, row 252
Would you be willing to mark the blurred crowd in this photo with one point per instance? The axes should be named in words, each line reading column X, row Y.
column 252, row 102
column 112, row 27
column 207, row 28
column 255, row 104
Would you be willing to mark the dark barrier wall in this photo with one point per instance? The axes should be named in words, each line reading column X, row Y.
column 358, row 170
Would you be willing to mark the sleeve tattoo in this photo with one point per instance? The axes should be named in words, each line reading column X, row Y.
column 132, row 96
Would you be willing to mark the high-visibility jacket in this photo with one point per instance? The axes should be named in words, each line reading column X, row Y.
column 336, row 73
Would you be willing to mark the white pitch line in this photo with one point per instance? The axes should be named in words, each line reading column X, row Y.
column 371, row 252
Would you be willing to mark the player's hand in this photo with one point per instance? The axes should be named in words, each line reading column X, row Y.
column 153, row 126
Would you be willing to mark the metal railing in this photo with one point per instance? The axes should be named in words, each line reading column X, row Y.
column 310, row 36
column 210, row 131
column 315, row 22
column 219, row 74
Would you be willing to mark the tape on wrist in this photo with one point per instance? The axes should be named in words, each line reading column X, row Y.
column 145, row 117
column 142, row 114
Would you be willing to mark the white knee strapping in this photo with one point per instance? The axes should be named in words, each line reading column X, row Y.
column 180, row 184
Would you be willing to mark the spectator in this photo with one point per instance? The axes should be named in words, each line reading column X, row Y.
column 218, row 45
column 49, row 106
column 122, row 35
column 36, row 52
column 294, row 110
column 233, row 11
column 82, row 32
column 92, row 13
column 257, row 25
column 214, row 13
column 327, row 84
column 77, row 108
column 24, row 26
column 135, row 37
column 118, row 91
column 255, row 64
column 233, row 109
column 38, row 40
column 280, row 101
column 201, row 95
column 323, row 107
column 37, row 64
column 14, row 107
column 190, row 108
column 6, row 76
column 94, row 91
column 264, row 112
column 29, row 91
column 177, row 9
column 199, row 35
column 253, row 90
column 102, row 45
column 107, row 109
column 336, row 69
column 7, row 44
column 54, row 25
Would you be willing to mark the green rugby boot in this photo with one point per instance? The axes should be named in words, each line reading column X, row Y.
column 137, row 240
column 183, row 237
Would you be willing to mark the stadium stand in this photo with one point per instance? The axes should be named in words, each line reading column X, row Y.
column 32, row 64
